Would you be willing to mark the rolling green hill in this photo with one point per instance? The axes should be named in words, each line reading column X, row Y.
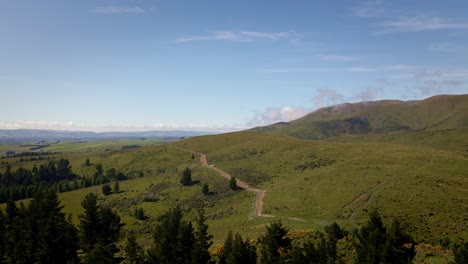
column 404, row 158
column 320, row 181
column 443, row 112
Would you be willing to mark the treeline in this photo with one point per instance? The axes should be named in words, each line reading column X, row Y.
column 41, row 233
column 25, row 183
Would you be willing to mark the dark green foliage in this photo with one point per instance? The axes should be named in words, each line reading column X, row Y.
column 461, row 253
column 323, row 250
column 236, row 250
column 205, row 189
column 133, row 251
column 399, row 247
column 55, row 238
column 99, row 170
column 37, row 234
column 99, row 231
column 106, row 189
column 176, row 241
column 87, row 163
column 307, row 254
column 186, row 177
column 111, row 173
column 376, row 244
column 334, row 231
column 116, row 186
column 274, row 243
column 200, row 254
column 233, row 183
column 88, row 223
column 139, row 213
column 25, row 183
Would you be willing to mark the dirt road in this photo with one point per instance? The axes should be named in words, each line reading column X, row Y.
column 241, row 184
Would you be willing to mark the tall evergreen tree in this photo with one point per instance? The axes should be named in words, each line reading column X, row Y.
column 200, row 254
column 461, row 253
column 99, row 232
column 133, row 252
column 186, row 177
column 88, row 228
column 377, row 245
column 173, row 239
column 236, row 250
column 51, row 237
column 274, row 243
column 233, row 183
column 15, row 234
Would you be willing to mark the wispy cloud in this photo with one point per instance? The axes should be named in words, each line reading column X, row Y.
column 356, row 69
column 448, row 48
column 238, row 36
column 421, row 23
column 370, row 9
column 72, row 126
column 299, row 70
column 327, row 97
column 277, row 114
column 338, row 58
column 121, row 10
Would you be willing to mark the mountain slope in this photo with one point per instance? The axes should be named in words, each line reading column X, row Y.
column 321, row 181
column 435, row 113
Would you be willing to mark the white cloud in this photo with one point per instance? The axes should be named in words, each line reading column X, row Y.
column 421, row 23
column 370, row 94
column 448, row 47
column 297, row 70
column 356, row 69
column 370, row 9
column 327, row 97
column 338, row 58
column 277, row 114
column 238, row 36
column 120, row 10
column 71, row 126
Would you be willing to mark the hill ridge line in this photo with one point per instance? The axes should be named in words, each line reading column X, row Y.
column 260, row 193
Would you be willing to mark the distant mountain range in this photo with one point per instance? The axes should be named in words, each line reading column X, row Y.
column 22, row 135
column 440, row 112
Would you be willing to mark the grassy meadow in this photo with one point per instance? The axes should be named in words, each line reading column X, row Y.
column 309, row 183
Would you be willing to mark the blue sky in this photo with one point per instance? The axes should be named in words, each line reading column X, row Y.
column 129, row 65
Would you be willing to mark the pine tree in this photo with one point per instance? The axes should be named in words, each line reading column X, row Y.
column 461, row 253
column 186, row 177
column 53, row 239
column 99, row 232
column 376, row 244
column 106, row 189
column 273, row 242
column 399, row 247
column 15, row 235
column 116, row 186
column 88, row 228
column 133, row 251
column 173, row 239
column 236, row 250
column 200, row 254
column 205, row 189
column 233, row 183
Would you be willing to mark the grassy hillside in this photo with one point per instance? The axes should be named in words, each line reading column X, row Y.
column 323, row 181
column 308, row 184
column 442, row 112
